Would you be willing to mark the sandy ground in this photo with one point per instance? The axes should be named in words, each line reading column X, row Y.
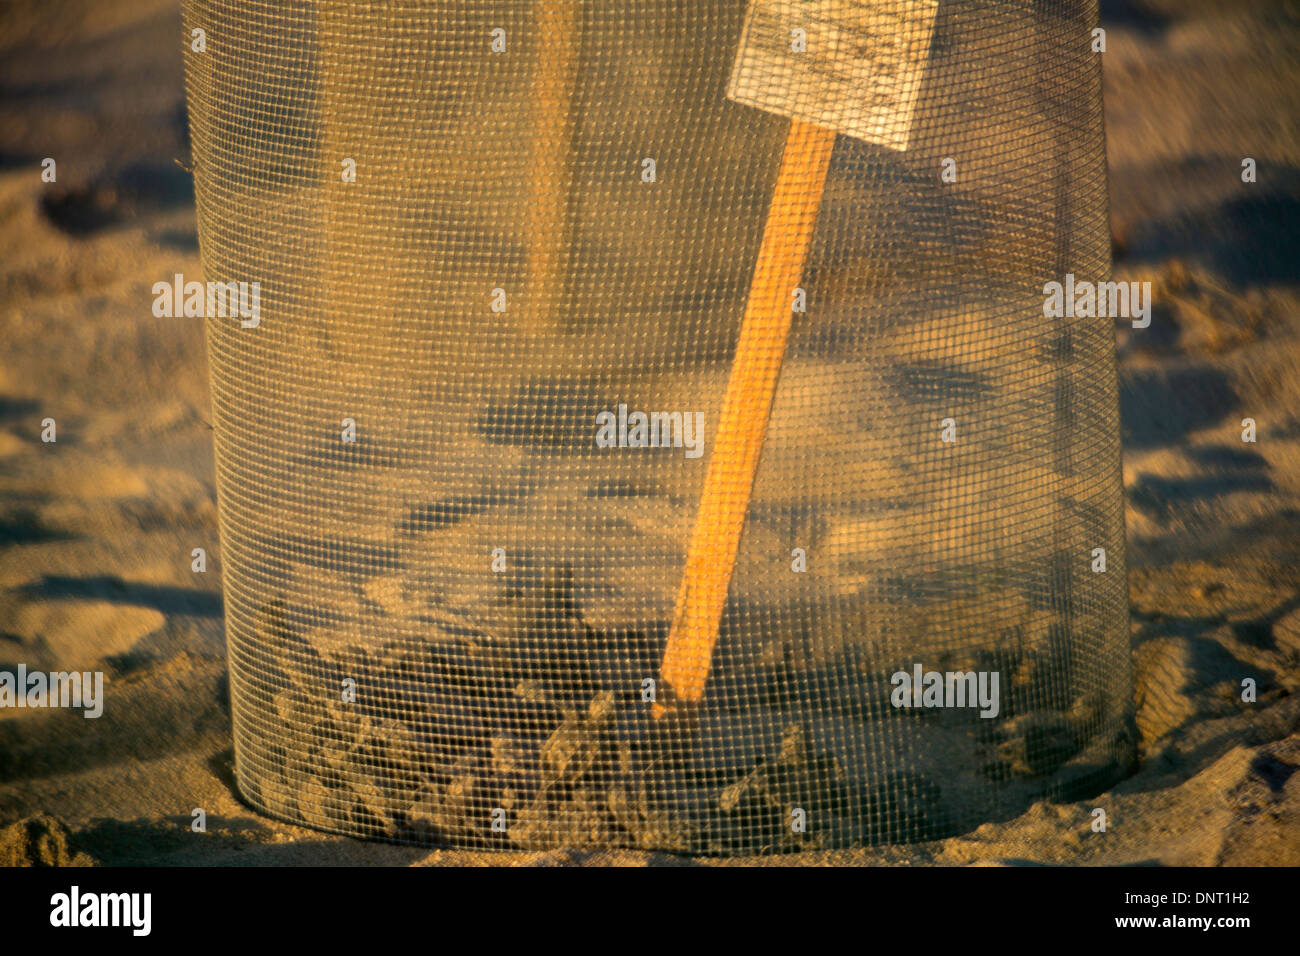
column 96, row 530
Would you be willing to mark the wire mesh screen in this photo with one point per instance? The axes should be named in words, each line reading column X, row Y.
column 652, row 431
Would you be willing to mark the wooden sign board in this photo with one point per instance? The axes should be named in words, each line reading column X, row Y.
column 856, row 69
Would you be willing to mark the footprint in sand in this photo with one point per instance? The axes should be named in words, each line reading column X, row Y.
column 80, row 633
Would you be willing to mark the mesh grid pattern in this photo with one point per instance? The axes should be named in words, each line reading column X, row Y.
column 496, row 586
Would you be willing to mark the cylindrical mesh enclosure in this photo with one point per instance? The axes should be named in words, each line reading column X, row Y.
column 504, row 253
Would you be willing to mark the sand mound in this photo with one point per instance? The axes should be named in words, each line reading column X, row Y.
column 39, row 840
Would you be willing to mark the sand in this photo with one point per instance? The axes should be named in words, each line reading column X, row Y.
column 97, row 530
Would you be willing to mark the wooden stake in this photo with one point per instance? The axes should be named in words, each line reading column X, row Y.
column 359, row 252
column 738, row 440
column 552, row 94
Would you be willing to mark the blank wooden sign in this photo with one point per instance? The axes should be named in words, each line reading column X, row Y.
column 852, row 65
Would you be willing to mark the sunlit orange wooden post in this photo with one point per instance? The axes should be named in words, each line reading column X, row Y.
column 554, row 69
column 869, row 94
column 352, row 128
column 738, row 438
